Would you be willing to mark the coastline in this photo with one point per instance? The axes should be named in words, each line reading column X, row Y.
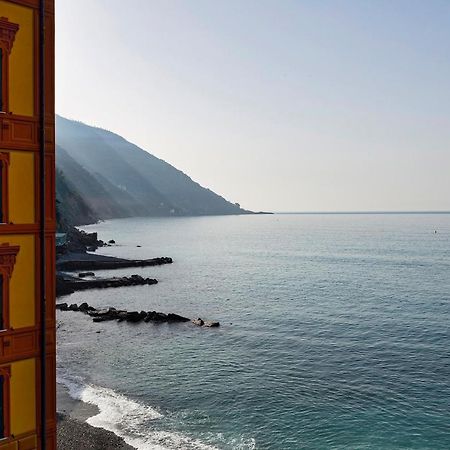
column 84, row 419
column 73, row 430
column 74, row 433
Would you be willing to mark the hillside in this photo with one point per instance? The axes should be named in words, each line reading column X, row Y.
column 116, row 178
column 71, row 208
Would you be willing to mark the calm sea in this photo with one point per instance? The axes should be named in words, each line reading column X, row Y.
column 335, row 334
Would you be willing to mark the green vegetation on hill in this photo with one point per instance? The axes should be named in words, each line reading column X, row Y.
column 113, row 178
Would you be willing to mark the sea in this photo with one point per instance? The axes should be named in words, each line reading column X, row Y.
column 335, row 334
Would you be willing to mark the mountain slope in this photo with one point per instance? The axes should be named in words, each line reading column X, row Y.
column 70, row 206
column 118, row 179
column 97, row 193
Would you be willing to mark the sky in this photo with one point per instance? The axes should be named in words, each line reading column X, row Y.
column 280, row 105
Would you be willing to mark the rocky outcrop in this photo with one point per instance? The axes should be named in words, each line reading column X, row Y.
column 198, row 322
column 208, row 323
column 66, row 284
column 109, row 314
column 110, row 264
column 78, row 241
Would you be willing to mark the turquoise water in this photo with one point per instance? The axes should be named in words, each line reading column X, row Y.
column 335, row 334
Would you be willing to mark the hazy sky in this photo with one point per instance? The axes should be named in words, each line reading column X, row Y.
column 278, row 105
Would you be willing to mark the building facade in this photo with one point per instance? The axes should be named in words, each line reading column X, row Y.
column 27, row 226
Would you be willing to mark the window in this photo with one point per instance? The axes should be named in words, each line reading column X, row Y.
column 4, row 166
column 8, row 32
column 1, row 301
column 5, row 375
column 8, row 255
column 1, row 80
column 2, row 408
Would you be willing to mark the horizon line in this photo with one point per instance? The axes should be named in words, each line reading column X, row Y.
column 362, row 212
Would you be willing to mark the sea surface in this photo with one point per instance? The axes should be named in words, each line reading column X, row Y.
column 335, row 334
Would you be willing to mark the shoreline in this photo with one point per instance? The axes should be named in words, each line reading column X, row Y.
column 74, row 433
column 67, row 282
column 73, row 430
column 91, row 261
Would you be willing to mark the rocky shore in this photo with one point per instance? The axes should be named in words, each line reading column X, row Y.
column 67, row 284
column 110, row 314
column 109, row 263
column 75, row 434
column 76, row 255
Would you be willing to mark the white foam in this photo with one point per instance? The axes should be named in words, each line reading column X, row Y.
column 127, row 418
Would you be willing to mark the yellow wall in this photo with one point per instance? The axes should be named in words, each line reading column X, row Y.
column 21, row 187
column 23, row 396
column 21, row 60
column 22, row 285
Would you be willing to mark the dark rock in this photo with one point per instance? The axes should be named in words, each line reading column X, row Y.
column 103, row 312
column 102, row 318
column 79, row 241
column 176, row 318
column 211, row 324
column 62, row 287
column 62, row 307
column 121, row 315
column 198, row 322
column 86, row 274
column 84, row 307
column 137, row 279
column 70, row 285
column 156, row 317
column 72, row 265
column 111, row 241
column 159, row 317
column 73, row 307
column 133, row 316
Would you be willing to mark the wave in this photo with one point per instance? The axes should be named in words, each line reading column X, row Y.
column 127, row 418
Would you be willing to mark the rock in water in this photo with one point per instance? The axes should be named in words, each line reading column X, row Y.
column 198, row 322
column 86, row 274
column 133, row 316
column 84, row 307
column 211, row 324
column 62, row 306
column 171, row 317
column 103, row 318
